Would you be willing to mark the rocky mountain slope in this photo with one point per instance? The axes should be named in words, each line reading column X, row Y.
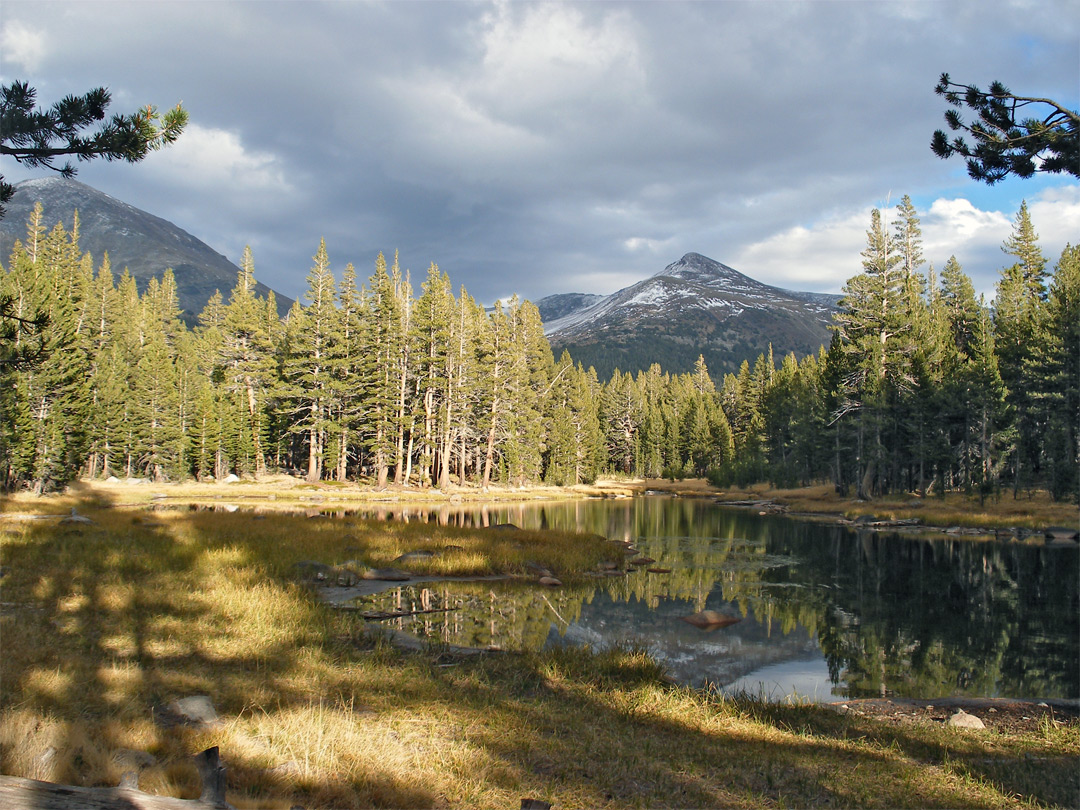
column 695, row 306
column 135, row 239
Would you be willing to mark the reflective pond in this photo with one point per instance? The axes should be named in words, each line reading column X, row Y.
column 825, row 612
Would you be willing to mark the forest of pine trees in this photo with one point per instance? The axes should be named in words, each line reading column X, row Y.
column 924, row 387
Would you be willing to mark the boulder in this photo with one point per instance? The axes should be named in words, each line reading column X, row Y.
column 643, row 561
column 231, row 478
column 550, row 582
column 964, row 720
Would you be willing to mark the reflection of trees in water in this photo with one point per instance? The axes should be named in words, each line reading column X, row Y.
column 934, row 617
column 893, row 614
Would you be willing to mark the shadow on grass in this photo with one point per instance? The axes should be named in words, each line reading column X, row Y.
column 113, row 620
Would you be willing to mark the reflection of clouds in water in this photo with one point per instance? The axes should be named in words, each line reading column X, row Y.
column 788, row 680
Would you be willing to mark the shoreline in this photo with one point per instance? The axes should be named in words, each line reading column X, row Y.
column 1032, row 518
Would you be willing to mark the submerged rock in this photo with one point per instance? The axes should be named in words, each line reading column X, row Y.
column 711, row 619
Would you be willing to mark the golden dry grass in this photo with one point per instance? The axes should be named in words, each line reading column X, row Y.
column 104, row 624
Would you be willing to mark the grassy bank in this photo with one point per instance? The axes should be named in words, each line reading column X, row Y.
column 105, row 623
column 1030, row 510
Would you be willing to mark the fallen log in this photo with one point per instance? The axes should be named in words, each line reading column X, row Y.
column 17, row 793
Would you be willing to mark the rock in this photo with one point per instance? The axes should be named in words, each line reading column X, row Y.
column 550, row 582
column 864, row 519
column 710, row 620
column 196, row 711
column 964, row 720
column 387, row 574
column 607, row 565
column 538, row 570
column 505, row 527
column 231, row 478
column 453, row 548
column 411, row 556
column 534, row 804
column 642, row 561
column 658, row 570
column 112, row 479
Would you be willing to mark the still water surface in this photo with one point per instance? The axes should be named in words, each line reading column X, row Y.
column 827, row 612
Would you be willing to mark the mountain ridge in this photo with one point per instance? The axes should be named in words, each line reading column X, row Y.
column 693, row 306
column 142, row 242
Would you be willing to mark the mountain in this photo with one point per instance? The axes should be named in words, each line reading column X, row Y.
column 559, row 306
column 142, row 242
column 695, row 306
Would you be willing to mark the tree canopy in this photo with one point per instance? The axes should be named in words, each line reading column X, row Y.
column 1002, row 141
column 37, row 137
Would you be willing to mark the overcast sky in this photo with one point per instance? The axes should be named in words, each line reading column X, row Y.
column 536, row 148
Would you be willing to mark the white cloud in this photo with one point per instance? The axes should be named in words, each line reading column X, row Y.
column 958, row 228
column 638, row 244
column 550, row 54
column 1056, row 216
column 821, row 257
column 208, row 159
column 22, row 46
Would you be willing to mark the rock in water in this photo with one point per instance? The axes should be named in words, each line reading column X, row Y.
column 551, row 582
column 710, row 619
column 964, row 720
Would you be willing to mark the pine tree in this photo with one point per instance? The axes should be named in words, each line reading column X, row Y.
column 44, row 424
column 1020, row 326
column 432, row 335
column 249, row 367
column 1058, row 362
column 310, row 365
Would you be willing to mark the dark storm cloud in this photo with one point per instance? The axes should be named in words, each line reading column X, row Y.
column 539, row 148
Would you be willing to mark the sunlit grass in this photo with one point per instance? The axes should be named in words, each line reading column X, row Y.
column 105, row 624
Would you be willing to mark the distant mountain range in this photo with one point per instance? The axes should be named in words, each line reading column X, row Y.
column 143, row 243
column 695, row 306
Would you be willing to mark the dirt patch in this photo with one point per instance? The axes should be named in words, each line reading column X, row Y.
column 999, row 714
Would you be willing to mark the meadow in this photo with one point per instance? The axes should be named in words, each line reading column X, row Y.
column 104, row 624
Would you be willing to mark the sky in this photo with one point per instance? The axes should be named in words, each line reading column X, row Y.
column 539, row 148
